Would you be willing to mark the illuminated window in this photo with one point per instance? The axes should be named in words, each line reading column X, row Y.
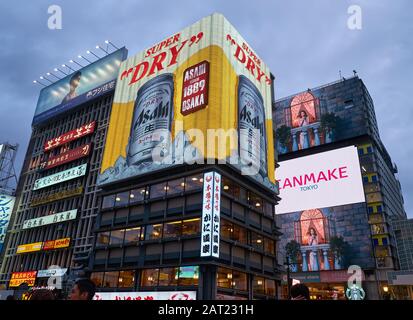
column 257, row 241
column 137, row 195
column 127, row 279
column 258, row 285
column 103, row 238
column 224, row 278
column 191, row 227
column 133, row 235
column 153, row 232
column 226, row 229
column 239, row 281
column 122, row 199
column 255, row 201
column 157, row 190
column 110, row 279
column 116, row 237
column 168, row 277
column 231, row 188
column 108, row 201
column 97, row 278
column 172, row 229
column 194, row 182
column 175, row 186
column 240, row 234
column 149, row 277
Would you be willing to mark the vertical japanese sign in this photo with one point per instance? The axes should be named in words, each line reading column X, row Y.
column 6, row 208
column 211, row 206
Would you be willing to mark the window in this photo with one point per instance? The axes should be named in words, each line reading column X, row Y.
column 380, row 208
column 137, row 195
column 361, row 151
column 269, row 287
column 116, row 237
column 224, row 278
column 369, row 149
column 194, row 182
column 365, row 180
column 172, row 229
column 133, row 235
column 191, row 227
column 127, row 279
column 385, row 241
column 168, row 277
column 153, row 232
column 233, row 189
column 149, row 277
column 157, row 190
column 97, row 278
column 103, row 238
column 122, row 199
column 257, row 241
column 269, row 246
column 239, row 280
column 111, row 279
column 370, row 209
column 376, row 242
column 188, row 276
column 258, row 285
column 226, row 229
column 175, row 186
column 108, row 201
column 255, row 201
column 240, row 234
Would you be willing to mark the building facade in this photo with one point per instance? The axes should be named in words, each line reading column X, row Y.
column 327, row 118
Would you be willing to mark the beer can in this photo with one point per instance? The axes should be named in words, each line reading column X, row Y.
column 152, row 119
column 251, row 115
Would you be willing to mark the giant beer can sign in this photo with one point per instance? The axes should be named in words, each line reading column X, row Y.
column 152, row 118
column 200, row 85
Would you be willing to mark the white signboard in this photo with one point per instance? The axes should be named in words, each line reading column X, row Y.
column 326, row 179
column 51, row 273
column 6, row 208
column 59, row 177
column 150, row 295
column 211, row 206
column 50, row 219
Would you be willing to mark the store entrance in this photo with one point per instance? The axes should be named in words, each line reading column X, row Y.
column 326, row 291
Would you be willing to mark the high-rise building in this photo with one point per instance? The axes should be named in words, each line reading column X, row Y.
column 325, row 119
column 56, row 200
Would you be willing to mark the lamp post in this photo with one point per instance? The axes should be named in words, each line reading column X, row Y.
column 99, row 47
column 91, row 52
column 288, row 264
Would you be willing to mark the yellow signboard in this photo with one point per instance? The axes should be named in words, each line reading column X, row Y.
column 30, row 247
column 200, row 95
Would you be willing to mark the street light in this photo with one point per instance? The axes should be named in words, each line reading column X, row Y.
column 82, row 57
column 288, row 264
column 38, row 82
column 91, row 52
column 108, row 42
column 65, row 65
column 57, row 69
column 105, row 51
column 52, row 74
column 43, row 78
column 72, row 61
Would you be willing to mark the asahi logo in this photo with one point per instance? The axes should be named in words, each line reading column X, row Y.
column 245, row 115
column 161, row 111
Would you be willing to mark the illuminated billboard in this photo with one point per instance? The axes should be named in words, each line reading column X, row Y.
column 66, row 157
column 146, row 295
column 47, row 245
column 321, row 180
column 199, row 96
column 320, row 116
column 83, row 85
column 18, row 278
column 6, row 208
column 59, row 177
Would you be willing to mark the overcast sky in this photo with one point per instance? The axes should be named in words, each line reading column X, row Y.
column 305, row 44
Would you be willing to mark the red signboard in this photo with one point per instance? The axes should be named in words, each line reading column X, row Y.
column 66, row 157
column 70, row 136
column 18, row 278
column 195, row 88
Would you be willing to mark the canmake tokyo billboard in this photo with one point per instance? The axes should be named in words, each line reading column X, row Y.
column 199, row 96
column 326, row 179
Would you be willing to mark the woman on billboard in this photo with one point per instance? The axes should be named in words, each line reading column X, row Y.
column 73, row 83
